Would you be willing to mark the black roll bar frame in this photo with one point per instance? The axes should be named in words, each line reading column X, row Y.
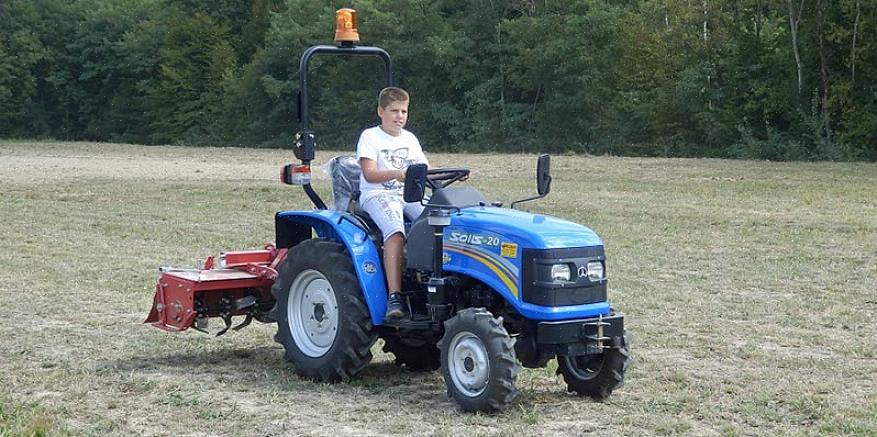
column 305, row 140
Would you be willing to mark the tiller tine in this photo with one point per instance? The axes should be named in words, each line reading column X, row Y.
column 245, row 323
column 227, row 319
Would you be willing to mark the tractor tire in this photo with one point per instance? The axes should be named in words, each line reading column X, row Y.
column 413, row 354
column 322, row 320
column 478, row 361
column 595, row 376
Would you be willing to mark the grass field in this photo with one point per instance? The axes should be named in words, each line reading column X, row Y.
column 750, row 289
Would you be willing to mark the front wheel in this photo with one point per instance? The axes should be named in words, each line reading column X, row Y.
column 478, row 361
column 595, row 376
column 322, row 320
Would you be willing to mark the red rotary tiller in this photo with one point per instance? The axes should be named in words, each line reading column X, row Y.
column 240, row 285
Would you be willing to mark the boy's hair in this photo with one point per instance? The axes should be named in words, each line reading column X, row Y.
column 392, row 94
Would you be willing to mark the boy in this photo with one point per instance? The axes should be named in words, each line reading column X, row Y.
column 384, row 153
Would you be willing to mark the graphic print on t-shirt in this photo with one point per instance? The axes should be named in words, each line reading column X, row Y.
column 398, row 159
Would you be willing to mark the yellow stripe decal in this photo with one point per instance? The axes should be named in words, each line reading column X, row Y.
column 489, row 263
column 501, row 263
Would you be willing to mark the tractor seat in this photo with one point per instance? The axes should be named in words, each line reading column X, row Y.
column 345, row 172
column 370, row 226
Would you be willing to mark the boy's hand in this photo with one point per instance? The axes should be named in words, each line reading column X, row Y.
column 401, row 177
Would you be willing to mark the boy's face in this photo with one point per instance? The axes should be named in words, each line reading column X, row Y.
column 394, row 117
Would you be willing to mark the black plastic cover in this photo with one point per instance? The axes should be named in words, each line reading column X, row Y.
column 458, row 197
column 420, row 235
column 538, row 289
column 289, row 233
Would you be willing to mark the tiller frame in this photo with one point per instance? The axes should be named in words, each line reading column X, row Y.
column 240, row 285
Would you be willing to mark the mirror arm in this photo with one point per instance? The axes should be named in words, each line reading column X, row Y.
column 543, row 180
column 512, row 206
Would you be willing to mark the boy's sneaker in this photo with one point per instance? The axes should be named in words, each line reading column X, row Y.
column 394, row 307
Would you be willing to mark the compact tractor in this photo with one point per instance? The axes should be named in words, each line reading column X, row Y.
column 489, row 289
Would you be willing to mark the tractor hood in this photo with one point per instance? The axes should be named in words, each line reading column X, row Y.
column 530, row 230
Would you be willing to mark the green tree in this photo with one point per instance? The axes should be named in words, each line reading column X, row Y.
column 769, row 79
column 20, row 52
column 193, row 62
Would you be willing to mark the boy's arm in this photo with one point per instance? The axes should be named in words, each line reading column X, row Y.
column 372, row 174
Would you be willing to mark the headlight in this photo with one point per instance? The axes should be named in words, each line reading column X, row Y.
column 560, row 272
column 595, row 270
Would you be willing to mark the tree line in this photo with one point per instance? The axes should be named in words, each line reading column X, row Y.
column 764, row 79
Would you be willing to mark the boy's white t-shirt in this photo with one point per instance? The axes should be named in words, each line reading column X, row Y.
column 388, row 152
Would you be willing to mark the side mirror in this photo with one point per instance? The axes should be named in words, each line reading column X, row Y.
column 543, row 175
column 543, row 179
column 415, row 183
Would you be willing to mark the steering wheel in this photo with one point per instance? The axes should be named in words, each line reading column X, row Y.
column 438, row 178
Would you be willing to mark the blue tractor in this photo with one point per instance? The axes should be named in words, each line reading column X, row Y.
column 489, row 289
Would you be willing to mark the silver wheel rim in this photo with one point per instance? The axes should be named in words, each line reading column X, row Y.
column 313, row 313
column 468, row 364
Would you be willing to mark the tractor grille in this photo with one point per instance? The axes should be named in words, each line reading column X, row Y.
column 539, row 289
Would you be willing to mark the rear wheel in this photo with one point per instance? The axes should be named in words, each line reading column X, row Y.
column 478, row 361
column 322, row 320
column 595, row 376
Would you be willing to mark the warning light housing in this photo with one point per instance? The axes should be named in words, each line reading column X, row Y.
column 345, row 27
column 295, row 174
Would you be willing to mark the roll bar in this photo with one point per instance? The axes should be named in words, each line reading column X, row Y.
column 305, row 140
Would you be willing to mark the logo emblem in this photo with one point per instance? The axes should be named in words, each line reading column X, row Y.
column 369, row 267
column 509, row 250
column 583, row 271
column 445, row 258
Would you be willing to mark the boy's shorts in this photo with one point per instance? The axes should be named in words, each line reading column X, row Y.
column 387, row 209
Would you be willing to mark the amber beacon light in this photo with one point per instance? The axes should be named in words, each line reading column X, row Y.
column 345, row 26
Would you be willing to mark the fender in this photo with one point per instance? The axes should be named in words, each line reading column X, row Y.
column 293, row 227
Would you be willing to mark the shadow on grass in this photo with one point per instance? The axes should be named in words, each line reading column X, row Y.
column 381, row 386
column 264, row 368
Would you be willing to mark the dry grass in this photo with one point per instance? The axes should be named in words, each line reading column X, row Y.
column 749, row 288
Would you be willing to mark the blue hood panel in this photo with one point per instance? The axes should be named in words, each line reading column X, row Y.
column 488, row 243
column 530, row 230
